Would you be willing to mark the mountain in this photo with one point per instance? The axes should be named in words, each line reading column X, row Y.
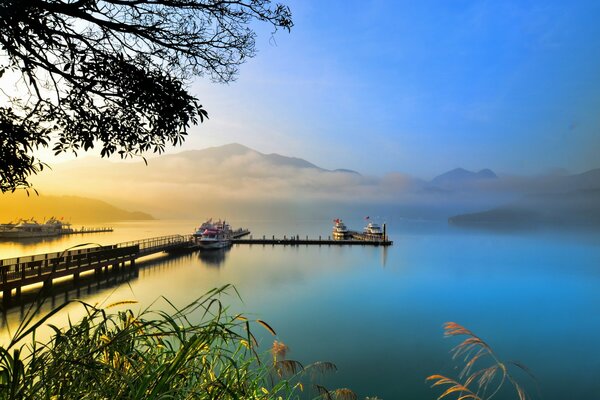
column 222, row 156
column 579, row 208
column 73, row 208
column 460, row 177
column 177, row 185
column 235, row 178
column 586, row 180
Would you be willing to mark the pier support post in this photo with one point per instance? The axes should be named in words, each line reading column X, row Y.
column 48, row 284
column 18, row 292
column 6, row 294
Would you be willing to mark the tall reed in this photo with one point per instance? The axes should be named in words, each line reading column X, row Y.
column 491, row 376
column 199, row 351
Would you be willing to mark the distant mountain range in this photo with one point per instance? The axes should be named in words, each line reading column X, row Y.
column 579, row 208
column 238, row 158
column 462, row 177
column 560, row 201
column 234, row 176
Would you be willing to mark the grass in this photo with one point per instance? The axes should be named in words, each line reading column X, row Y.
column 160, row 354
column 491, row 377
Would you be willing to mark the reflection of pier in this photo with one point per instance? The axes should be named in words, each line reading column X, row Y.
column 45, row 268
column 88, row 284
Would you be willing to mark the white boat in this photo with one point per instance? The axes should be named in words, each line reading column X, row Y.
column 205, row 225
column 33, row 229
column 215, row 235
column 340, row 231
column 373, row 229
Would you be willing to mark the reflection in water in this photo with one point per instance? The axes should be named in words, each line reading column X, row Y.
column 62, row 291
column 25, row 242
column 214, row 257
column 382, row 326
column 384, row 252
column 44, row 300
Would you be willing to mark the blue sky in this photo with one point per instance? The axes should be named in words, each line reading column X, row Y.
column 419, row 87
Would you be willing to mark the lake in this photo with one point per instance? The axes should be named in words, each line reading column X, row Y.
column 377, row 313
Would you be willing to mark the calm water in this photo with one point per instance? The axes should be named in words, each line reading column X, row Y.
column 378, row 313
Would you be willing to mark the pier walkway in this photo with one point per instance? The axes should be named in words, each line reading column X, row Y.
column 44, row 268
column 353, row 239
column 83, row 230
column 15, row 273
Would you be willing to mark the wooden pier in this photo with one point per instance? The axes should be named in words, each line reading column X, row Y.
column 238, row 233
column 15, row 273
column 18, row 272
column 356, row 239
column 89, row 230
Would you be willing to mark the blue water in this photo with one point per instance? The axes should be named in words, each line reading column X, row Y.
column 377, row 313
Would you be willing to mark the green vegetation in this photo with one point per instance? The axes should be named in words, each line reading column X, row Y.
column 170, row 355
column 154, row 355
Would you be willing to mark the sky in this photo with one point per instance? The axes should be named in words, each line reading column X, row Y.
column 419, row 87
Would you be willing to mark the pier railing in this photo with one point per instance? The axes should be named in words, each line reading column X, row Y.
column 17, row 272
column 21, row 271
column 157, row 244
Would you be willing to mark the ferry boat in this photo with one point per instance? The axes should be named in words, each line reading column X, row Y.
column 373, row 229
column 33, row 229
column 340, row 231
column 208, row 224
column 211, row 235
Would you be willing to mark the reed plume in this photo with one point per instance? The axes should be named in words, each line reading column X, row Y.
column 484, row 382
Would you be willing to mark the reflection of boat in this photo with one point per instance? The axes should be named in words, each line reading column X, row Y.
column 214, row 258
column 340, row 231
column 33, row 229
column 213, row 235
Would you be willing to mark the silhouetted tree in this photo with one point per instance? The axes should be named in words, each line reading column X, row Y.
column 112, row 73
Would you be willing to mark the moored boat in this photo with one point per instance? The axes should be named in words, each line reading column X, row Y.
column 340, row 231
column 208, row 224
column 211, row 235
column 373, row 229
column 33, row 229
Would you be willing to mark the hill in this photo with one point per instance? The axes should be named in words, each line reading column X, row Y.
column 460, row 177
column 580, row 208
column 73, row 209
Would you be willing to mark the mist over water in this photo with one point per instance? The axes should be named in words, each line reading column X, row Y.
column 377, row 313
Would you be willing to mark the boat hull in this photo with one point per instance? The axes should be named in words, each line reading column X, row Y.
column 213, row 244
column 25, row 235
column 340, row 235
